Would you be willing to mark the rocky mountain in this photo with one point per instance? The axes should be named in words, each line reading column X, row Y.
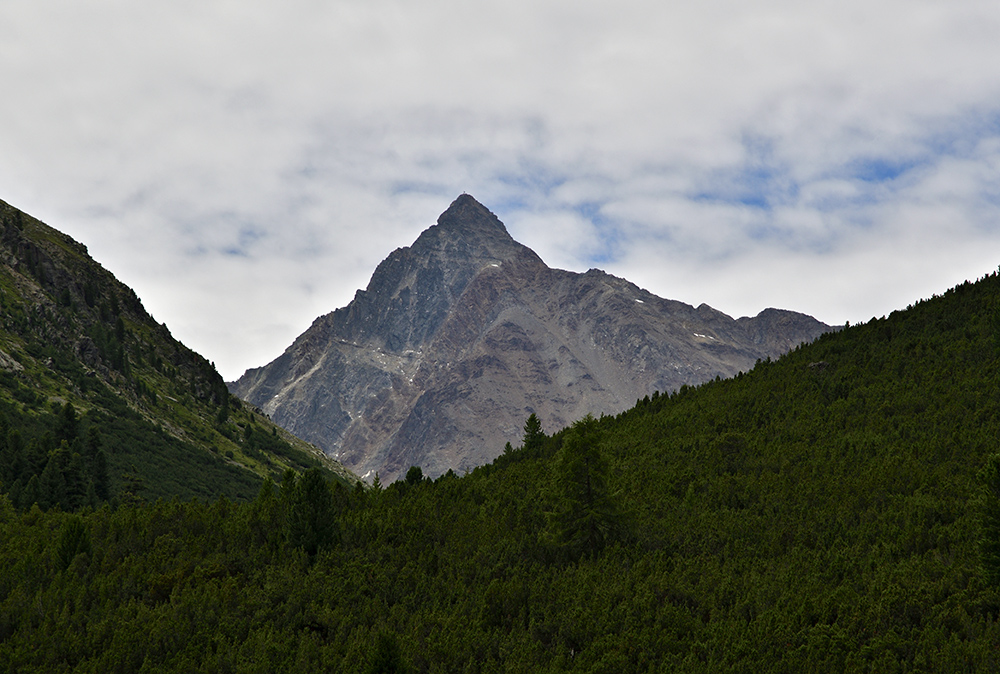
column 95, row 393
column 461, row 336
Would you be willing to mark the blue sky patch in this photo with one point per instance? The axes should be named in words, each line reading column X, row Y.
column 882, row 169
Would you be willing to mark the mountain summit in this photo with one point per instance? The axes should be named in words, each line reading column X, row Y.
column 461, row 336
column 412, row 291
column 472, row 224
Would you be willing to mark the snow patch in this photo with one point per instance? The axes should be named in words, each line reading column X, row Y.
column 640, row 301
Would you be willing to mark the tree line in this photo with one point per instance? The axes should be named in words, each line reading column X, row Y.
column 796, row 517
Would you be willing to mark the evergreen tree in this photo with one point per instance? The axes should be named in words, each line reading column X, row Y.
column 414, row 476
column 534, row 438
column 99, row 476
column 584, row 518
column 68, row 424
column 93, row 443
column 97, row 461
column 90, row 499
column 31, row 493
column 77, row 482
column 74, row 539
column 289, row 480
column 14, row 493
column 52, row 485
column 35, row 457
column 989, row 520
column 312, row 521
column 386, row 657
column 11, row 458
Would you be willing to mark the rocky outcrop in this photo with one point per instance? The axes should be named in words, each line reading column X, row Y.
column 459, row 337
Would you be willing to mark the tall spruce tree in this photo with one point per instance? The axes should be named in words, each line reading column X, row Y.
column 533, row 435
column 584, row 518
column 74, row 539
column 68, row 425
column 312, row 518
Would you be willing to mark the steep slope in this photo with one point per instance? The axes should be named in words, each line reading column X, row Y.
column 824, row 512
column 461, row 336
column 91, row 385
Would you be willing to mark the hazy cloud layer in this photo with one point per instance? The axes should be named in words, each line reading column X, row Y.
column 245, row 165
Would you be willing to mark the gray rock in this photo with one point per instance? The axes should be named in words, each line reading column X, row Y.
column 459, row 337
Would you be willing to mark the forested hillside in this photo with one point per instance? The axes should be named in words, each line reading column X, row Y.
column 835, row 510
column 98, row 402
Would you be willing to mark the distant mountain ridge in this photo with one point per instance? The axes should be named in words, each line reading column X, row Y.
column 459, row 337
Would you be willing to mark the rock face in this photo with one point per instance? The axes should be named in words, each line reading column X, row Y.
column 461, row 336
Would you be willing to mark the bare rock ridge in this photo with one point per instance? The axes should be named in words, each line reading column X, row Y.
column 459, row 337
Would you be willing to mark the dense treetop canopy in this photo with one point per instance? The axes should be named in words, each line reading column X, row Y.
column 834, row 510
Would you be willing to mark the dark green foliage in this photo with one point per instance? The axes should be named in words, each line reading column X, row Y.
column 830, row 511
column 584, row 518
column 269, row 443
column 989, row 513
column 68, row 425
column 533, row 443
column 533, row 435
column 414, row 476
column 98, row 465
column 74, row 539
column 31, row 493
column 312, row 523
column 386, row 657
column 52, row 484
column 105, row 405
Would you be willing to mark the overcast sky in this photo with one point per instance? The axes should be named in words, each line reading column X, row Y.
column 244, row 165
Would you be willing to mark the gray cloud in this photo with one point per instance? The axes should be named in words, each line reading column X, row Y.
column 244, row 166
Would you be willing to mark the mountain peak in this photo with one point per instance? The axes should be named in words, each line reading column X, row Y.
column 466, row 210
column 461, row 335
column 468, row 219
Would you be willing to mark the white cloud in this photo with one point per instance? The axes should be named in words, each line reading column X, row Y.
column 245, row 165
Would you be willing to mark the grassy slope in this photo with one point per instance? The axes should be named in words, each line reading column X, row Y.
column 70, row 332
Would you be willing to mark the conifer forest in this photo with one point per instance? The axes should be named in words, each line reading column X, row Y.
column 835, row 510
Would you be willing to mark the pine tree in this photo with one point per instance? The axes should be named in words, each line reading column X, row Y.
column 74, row 539
column 534, row 438
column 35, row 457
column 30, row 494
column 584, row 518
column 414, row 476
column 52, row 485
column 312, row 520
column 99, row 476
column 77, row 482
column 11, row 459
column 68, row 425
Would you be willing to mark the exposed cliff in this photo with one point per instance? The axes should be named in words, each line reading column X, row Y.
column 459, row 337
